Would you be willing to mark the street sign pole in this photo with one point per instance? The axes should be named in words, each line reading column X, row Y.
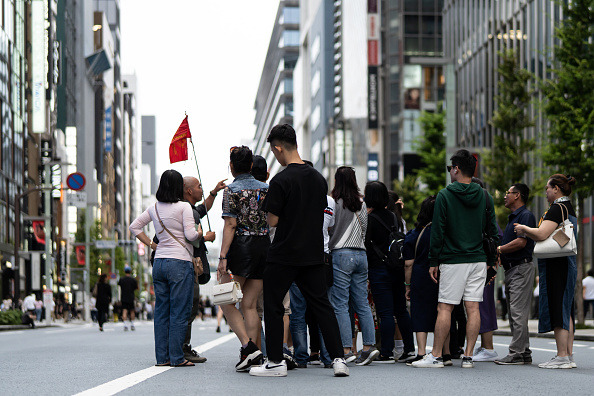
column 48, row 238
column 87, row 271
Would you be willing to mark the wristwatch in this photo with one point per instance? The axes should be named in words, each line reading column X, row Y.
column 213, row 195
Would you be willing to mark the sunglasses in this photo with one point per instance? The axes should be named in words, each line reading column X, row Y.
column 449, row 168
column 232, row 149
column 511, row 192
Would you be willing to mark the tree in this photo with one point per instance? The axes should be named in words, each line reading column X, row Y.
column 99, row 259
column 430, row 178
column 507, row 162
column 569, row 108
column 431, row 148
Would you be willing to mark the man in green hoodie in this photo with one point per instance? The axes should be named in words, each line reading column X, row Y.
column 456, row 254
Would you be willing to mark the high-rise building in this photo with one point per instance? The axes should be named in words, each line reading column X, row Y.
column 150, row 182
column 274, row 100
column 413, row 78
column 473, row 36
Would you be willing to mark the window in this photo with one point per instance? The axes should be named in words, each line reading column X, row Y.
column 429, row 25
column 315, row 118
column 411, row 6
column 428, row 6
column 289, row 38
column 315, row 84
column 315, row 49
column 411, row 24
column 290, row 15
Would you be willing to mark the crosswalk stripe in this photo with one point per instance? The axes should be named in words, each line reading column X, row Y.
column 128, row 381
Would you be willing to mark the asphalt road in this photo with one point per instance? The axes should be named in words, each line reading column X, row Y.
column 78, row 358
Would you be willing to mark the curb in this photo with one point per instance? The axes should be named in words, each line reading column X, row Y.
column 24, row 327
column 577, row 337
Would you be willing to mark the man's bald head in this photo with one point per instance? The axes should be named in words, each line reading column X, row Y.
column 190, row 182
column 192, row 190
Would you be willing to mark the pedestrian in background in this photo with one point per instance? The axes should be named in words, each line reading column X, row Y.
column 349, row 260
column 173, row 271
column 38, row 309
column 243, row 252
column 557, row 275
column 128, row 285
column 515, row 255
column 588, row 292
column 457, row 256
column 420, row 288
column 103, row 300
column 387, row 283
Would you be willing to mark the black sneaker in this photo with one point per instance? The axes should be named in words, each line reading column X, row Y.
column 301, row 365
column 192, row 355
column 407, row 357
column 314, row 359
column 418, row 357
column 512, row 360
column 527, row 356
column 247, row 356
column 447, row 360
column 385, row 359
column 291, row 363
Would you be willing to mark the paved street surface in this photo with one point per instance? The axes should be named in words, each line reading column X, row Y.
column 78, row 358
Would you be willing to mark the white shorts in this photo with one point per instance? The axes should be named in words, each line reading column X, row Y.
column 461, row 281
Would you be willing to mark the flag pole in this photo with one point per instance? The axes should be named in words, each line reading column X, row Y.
column 200, row 180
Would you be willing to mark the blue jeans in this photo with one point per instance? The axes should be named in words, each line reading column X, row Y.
column 298, row 328
column 350, row 281
column 387, row 288
column 173, row 280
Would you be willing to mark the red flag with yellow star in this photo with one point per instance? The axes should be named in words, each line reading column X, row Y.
column 178, row 149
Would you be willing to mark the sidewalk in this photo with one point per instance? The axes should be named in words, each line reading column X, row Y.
column 580, row 335
column 42, row 325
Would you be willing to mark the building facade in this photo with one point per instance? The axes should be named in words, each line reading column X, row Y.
column 274, row 100
column 413, row 78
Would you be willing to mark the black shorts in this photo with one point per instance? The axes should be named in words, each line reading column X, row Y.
column 129, row 306
column 247, row 256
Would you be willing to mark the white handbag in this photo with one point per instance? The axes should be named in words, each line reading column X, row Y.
column 561, row 243
column 226, row 293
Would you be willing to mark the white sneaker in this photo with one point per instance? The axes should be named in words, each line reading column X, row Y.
column 428, row 361
column 572, row 362
column 485, row 355
column 557, row 362
column 340, row 368
column 270, row 369
column 397, row 353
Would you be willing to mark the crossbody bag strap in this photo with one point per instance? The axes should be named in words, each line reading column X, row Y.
column 419, row 238
column 166, row 229
column 377, row 250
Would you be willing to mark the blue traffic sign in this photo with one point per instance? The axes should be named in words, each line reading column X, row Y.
column 76, row 181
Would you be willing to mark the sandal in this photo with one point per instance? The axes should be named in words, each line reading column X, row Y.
column 163, row 364
column 186, row 363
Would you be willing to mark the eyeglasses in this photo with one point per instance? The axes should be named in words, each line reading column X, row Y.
column 511, row 192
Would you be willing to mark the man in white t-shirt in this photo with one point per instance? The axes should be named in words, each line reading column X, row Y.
column 588, row 290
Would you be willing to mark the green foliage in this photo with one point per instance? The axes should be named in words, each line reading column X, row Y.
column 431, row 148
column 569, row 104
column 11, row 317
column 99, row 258
column 508, row 160
column 430, row 178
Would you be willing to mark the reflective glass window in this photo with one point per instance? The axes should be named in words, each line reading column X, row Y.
column 411, row 24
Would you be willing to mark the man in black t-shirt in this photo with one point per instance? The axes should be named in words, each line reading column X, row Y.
column 295, row 204
column 128, row 285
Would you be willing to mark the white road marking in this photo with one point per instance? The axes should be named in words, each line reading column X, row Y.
column 112, row 387
column 580, row 345
column 532, row 348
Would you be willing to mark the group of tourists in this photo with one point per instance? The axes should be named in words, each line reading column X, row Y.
column 342, row 263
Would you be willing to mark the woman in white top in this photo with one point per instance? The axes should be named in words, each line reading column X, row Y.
column 173, row 271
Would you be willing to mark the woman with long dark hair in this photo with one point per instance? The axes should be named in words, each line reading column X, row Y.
column 243, row 252
column 387, row 283
column 103, row 300
column 173, row 271
column 557, row 275
column 349, row 261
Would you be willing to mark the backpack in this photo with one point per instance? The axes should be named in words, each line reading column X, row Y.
column 393, row 259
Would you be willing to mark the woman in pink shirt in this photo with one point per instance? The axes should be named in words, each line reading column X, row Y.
column 173, row 271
